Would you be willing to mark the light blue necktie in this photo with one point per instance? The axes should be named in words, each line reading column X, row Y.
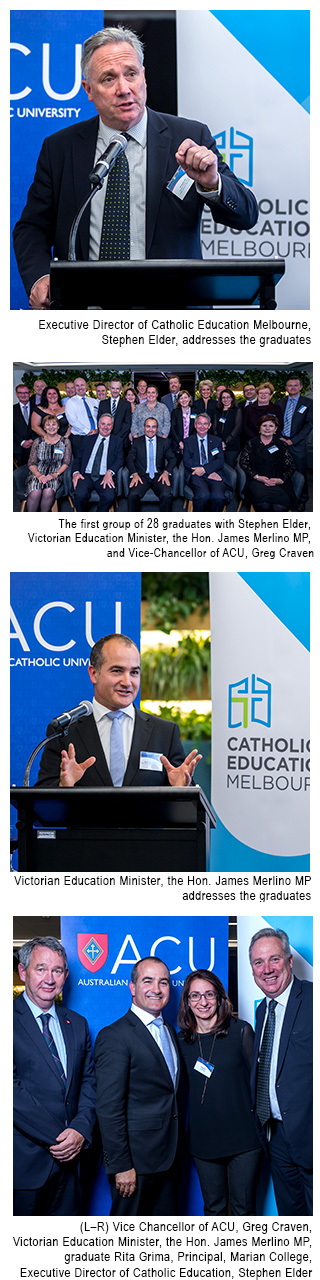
column 165, row 1045
column 88, row 412
column 117, row 760
column 151, row 470
column 288, row 417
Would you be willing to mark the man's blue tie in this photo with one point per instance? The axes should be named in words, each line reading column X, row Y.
column 117, row 760
column 165, row 1045
column 288, row 417
column 151, row 471
column 88, row 412
column 45, row 1017
column 263, row 1078
column 203, row 456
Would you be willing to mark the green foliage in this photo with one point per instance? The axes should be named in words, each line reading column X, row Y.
column 277, row 375
column 53, row 377
column 172, row 672
column 172, row 596
column 192, row 726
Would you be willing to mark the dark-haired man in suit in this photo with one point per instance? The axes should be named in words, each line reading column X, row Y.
column 119, row 408
column 281, row 1077
column 118, row 744
column 159, row 221
column 53, row 1086
column 22, row 434
column 137, row 1067
column 97, row 465
column 150, row 463
column 297, row 426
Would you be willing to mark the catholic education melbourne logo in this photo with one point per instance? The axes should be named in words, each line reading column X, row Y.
column 92, row 950
column 249, row 700
column 237, row 150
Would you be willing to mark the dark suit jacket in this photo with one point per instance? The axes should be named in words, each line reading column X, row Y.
column 172, row 225
column 176, row 430
column 294, row 1071
column 302, row 423
column 21, row 431
column 150, row 734
column 191, row 456
column 253, row 413
column 168, row 401
column 212, row 408
column 115, row 454
column 122, row 421
column 43, row 1107
column 136, row 1099
column 137, row 458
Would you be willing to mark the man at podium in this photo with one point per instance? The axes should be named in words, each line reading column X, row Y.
column 151, row 204
column 117, row 745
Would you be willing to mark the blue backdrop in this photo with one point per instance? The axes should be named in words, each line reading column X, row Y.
column 98, row 986
column 55, row 620
column 46, row 95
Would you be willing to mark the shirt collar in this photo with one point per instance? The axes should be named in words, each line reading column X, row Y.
column 35, row 1007
column 136, row 131
column 99, row 710
column 283, row 998
column 144, row 1014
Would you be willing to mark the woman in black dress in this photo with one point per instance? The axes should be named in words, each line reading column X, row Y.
column 50, row 403
column 268, row 466
column 48, row 459
column 228, row 426
column 217, row 1050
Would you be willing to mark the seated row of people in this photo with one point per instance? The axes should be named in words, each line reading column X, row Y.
column 234, row 428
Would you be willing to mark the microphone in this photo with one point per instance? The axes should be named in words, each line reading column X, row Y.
column 69, row 717
column 117, row 144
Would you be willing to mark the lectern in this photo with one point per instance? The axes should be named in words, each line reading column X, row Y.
column 115, row 829
column 158, row 284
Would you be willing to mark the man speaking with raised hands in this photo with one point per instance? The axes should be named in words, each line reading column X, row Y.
column 170, row 167
column 117, row 745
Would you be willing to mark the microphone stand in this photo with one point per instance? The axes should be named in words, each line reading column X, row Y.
column 60, row 734
column 97, row 183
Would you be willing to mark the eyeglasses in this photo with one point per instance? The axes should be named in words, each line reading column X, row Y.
column 208, row 996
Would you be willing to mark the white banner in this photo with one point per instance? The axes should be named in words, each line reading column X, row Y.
column 260, row 713
column 255, row 105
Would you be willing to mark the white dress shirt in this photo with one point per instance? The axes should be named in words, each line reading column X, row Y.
column 280, row 1009
column 103, row 724
column 104, row 455
column 147, row 1018
column 136, row 153
column 54, row 1028
column 76, row 414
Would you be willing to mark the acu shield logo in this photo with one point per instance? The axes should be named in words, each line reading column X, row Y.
column 92, row 950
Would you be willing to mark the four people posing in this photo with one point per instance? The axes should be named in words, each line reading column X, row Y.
column 248, row 1091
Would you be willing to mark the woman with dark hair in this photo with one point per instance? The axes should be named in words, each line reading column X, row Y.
column 228, row 425
column 50, row 403
column 182, row 422
column 48, row 459
column 268, row 466
column 217, row 1050
column 131, row 395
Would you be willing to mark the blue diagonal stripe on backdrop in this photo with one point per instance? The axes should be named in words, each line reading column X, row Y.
column 288, row 596
column 299, row 929
column 280, row 41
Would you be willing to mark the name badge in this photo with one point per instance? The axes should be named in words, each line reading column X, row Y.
column 302, row 408
column 214, row 451
column 150, row 760
column 221, row 419
column 204, row 1068
column 180, row 183
column 273, row 448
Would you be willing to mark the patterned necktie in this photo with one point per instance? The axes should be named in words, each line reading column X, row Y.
column 45, row 1018
column 88, row 412
column 288, row 417
column 115, row 234
column 263, row 1079
column 113, row 407
column 117, row 760
column 165, row 1045
column 25, row 411
column 95, row 469
column 203, row 457
column 151, row 470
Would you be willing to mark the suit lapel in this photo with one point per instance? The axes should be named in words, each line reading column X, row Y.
column 158, row 148
column 32, row 1031
column 147, row 1040
column 288, row 1021
column 141, row 735
column 82, row 161
column 89, row 739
